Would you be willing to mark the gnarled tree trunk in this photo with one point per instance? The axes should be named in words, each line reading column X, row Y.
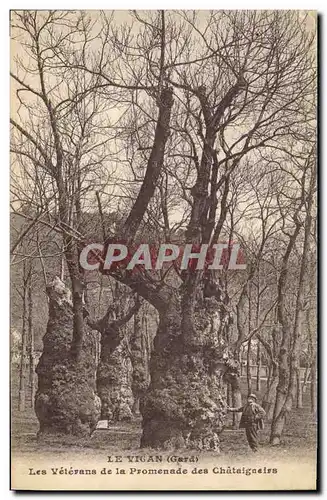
column 65, row 402
column 114, row 372
column 184, row 405
column 114, row 377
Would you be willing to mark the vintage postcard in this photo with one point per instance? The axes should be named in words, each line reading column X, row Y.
column 163, row 250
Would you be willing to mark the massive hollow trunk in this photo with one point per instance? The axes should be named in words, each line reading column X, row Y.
column 114, row 377
column 65, row 402
column 184, row 406
column 114, row 372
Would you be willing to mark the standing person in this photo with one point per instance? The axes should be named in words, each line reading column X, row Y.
column 251, row 420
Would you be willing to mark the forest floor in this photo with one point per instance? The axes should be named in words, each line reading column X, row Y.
column 298, row 440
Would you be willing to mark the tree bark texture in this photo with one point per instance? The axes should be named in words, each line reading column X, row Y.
column 184, row 406
column 65, row 402
column 114, row 377
column 139, row 359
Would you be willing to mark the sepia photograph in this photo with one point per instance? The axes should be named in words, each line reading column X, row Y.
column 163, row 250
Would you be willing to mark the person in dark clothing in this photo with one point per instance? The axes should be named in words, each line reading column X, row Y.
column 251, row 420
